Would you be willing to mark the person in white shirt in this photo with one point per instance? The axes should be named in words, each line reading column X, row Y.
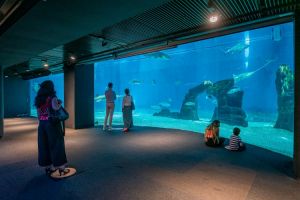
column 110, row 96
column 127, row 107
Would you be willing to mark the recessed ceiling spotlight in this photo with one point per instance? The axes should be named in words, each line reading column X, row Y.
column 213, row 18
column 72, row 58
column 212, row 9
column 27, row 70
column 45, row 63
column 5, row 76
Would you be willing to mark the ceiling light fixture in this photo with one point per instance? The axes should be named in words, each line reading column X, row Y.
column 213, row 18
column 45, row 63
column 73, row 58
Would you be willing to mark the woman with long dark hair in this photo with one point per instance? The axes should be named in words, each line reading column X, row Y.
column 211, row 135
column 51, row 144
column 127, row 107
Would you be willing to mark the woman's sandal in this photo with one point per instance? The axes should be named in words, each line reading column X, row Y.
column 63, row 172
column 49, row 171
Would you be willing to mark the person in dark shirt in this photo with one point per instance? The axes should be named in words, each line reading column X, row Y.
column 51, row 144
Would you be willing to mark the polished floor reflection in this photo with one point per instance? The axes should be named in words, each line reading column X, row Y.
column 148, row 163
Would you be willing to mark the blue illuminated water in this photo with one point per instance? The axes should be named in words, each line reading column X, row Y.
column 162, row 79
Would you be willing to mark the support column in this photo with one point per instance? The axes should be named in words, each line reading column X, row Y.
column 297, row 96
column 16, row 87
column 1, row 104
column 79, row 95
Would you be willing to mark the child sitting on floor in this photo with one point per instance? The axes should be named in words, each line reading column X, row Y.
column 211, row 135
column 235, row 143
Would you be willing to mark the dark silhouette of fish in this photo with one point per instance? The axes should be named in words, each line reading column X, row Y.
column 238, row 48
column 159, row 55
column 245, row 75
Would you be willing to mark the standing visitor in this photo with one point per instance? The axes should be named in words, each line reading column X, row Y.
column 51, row 144
column 127, row 107
column 110, row 96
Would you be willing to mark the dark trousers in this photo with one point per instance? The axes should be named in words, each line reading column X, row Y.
column 127, row 117
column 242, row 148
column 51, row 144
column 210, row 142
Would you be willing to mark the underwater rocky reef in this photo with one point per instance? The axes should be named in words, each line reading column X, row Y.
column 285, row 98
column 229, row 103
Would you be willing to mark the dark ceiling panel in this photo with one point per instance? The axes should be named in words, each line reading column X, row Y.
column 1, row 3
column 92, row 36
column 52, row 23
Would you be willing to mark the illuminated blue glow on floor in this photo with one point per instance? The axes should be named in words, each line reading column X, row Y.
column 261, row 134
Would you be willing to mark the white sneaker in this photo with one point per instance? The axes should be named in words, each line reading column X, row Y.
column 104, row 128
column 110, row 128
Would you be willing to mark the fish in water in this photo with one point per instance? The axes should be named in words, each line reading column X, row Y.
column 284, row 138
column 99, row 98
column 164, row 104
column 189, row 103
column 154, row 82
column 212, row 99
column 136, row 82
column 245, row 75
column 238, row 48
column 276, row 34
column 234, row 90
column 177, row 82
column 155, row 107
column 36, row 87
column 159, row 55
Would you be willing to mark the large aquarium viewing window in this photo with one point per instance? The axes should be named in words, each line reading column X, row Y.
column 58, row 80
column 245, row 80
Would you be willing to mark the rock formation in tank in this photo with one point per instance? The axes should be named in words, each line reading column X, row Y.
column 189, row 105
column 229, row 100
column 229, row 108
column 229, row 103
column 285, row 98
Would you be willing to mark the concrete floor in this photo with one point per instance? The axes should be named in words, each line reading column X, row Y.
column 148, row 163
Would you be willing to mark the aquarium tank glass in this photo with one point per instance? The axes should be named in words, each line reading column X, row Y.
column 245, row 80
column 58, row 80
